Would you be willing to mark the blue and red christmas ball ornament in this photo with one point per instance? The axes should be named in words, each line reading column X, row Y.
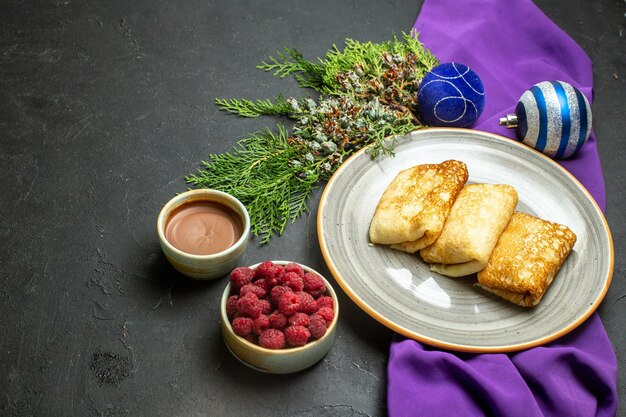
column 451, row 95
column 552, row 117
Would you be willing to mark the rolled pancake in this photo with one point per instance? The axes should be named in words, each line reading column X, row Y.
column 476, row 220
column 412, row 210
column 526, row 259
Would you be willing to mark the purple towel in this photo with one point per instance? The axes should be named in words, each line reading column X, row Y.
column 512, row 45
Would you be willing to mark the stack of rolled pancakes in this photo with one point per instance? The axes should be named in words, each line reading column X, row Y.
column 461, row 229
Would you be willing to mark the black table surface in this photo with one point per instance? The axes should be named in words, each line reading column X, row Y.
column 105, row 107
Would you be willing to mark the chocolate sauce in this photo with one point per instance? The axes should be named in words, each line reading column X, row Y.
column 203, row 227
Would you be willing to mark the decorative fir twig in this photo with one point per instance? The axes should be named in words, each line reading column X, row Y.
column 310, row 75
column 368, row 95
column 261, row 173
column 249, row 108
column 364, row 59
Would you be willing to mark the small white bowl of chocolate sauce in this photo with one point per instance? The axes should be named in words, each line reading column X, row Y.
column 204, row 233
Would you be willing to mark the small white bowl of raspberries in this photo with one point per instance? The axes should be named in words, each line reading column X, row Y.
column 278, row 316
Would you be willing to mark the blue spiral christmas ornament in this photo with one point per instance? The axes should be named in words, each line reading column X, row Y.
column 552, row 117
column 451, row 95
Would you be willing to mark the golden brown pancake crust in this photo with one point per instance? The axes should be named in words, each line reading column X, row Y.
column 413, row 209
column 476, row 221
column 526, row 259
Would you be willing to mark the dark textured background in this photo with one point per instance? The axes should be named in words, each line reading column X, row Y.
column 105, row 106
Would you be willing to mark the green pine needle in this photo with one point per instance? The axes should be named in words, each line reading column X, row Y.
column 249, row 108
column 321, row 76
column 260, row 174
column 309, row 75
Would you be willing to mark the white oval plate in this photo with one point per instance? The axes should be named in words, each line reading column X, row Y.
column 400, row 291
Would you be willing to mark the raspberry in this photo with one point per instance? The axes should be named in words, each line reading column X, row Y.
column 262, row 269
column 277, row 320
column 293, row 281
column 317, row 326
column 277, row 292
column 249, row 306
column 288, row 303
column 270, row 272
column 231, row 306
column 308, row 304
column 327, row 314
column 294, row 267
column 260, row 324
column 325, row 301
column 272, row 339
column 274, row 275
column 314, row 284
column 263, row 284
column 298, row 319
column 242, row 326
column 297, row 335
column 241, row 276
column 254, row 289
column 266, row 306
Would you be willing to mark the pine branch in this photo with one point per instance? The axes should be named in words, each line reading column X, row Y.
column 322, row 76
column 260, row 173
column 284, row 66
column 248, row 108
column 309, row 75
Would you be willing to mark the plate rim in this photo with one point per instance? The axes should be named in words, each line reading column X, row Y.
column 442, row 343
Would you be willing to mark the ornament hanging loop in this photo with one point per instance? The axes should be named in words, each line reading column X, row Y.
column 510, row 121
